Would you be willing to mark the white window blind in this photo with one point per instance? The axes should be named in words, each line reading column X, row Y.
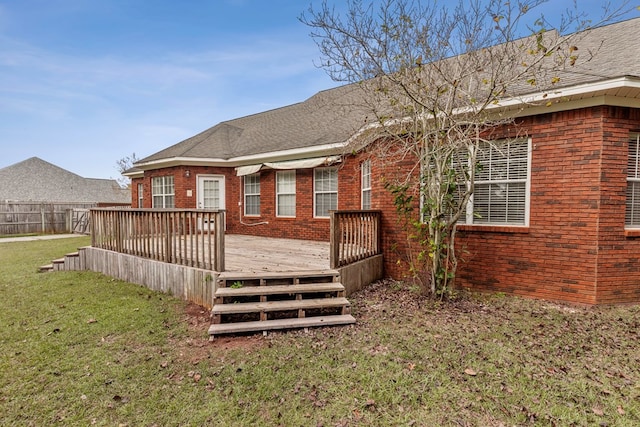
column 252, row 194
column 632, row 216
column 325, row 190
column 140, row 195
column 286, row 193
column 501, row 192
column 365, row 181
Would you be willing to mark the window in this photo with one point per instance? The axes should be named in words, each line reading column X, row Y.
column 140, row 195
column 325, row 189
column 632, row 217
column 252, row 194
column 286, row 193
column 162, row 192
column 501, row 189
column 365, row 183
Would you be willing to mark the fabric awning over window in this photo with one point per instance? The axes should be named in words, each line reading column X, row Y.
column 288, row 165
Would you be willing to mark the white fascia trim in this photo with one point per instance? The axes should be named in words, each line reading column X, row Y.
column 593, row 101
column 568, row 92
column 536, row 103
column 132, row 175
column 273, row 156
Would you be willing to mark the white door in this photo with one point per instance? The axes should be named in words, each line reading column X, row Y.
column 210, row 193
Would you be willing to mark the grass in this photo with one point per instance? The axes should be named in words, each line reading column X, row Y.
column 79, row 348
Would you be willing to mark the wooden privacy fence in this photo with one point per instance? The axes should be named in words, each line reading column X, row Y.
column 18, row 217
column 191, row 237
column 355, row 235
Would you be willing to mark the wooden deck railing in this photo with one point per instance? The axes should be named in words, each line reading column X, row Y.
column 355, row 235
column 193, row 238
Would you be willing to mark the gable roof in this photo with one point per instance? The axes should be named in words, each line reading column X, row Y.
column 321, row 122
column 608, row 72
column 34, row 179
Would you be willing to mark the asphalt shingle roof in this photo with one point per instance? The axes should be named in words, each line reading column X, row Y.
column 325, row 118
column 37, row 180
column 332, row 116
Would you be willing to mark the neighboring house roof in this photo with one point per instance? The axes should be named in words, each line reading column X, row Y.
column 608, row 72
column 37, row 180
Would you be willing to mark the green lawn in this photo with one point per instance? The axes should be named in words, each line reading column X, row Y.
column 79, row 348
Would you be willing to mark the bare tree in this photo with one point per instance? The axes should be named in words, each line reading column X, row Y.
column 438, row 79
column 123, row 165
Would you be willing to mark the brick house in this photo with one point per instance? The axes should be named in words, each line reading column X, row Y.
column 569, row 229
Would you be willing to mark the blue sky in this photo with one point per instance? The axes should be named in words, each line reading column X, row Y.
column 84, row 83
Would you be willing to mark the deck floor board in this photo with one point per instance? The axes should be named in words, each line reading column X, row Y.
column 267, row 254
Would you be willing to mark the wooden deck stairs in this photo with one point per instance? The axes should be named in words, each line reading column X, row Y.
column 70, row 261
column 251, row 302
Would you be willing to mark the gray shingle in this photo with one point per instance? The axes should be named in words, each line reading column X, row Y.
column 37, row 180
column 332, row 116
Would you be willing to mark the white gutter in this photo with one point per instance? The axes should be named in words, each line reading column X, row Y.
column 273, row 156
column 544, row 97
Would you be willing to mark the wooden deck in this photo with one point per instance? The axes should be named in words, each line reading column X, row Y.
column 265, row 254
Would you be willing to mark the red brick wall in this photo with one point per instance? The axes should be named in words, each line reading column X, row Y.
column 555, row 257
column 134, row 191
column 391, row 168
column 618, row 270
column 573, row 250
column 303, row 226
column 267, row 224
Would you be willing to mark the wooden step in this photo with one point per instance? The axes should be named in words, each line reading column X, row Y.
column 231, row 275
column 266, row 325
column 263, row 307
column 280, row 289
column 46, row 268
column 225, row 279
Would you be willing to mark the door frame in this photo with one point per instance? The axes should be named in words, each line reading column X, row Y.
column 199, row 196
column 199, row 189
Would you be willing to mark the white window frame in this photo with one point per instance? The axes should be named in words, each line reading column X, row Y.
column 632, row 205
column 251, row 194
column 471, row 210
column 284, row 191
column 140, row 196
column 163, row 190
column 365, row 185
column 319, row 189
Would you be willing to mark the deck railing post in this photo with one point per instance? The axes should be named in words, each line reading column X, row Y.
column 334, row 239
column 378, row 230
column 219, row 222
